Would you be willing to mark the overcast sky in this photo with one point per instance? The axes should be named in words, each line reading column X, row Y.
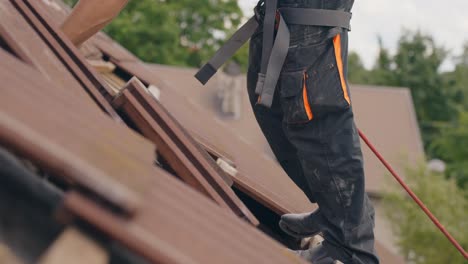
column 446, row 20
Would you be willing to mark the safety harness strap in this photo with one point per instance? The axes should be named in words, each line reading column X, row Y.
column 266, row 84
column 227, row 50
column 275, row 64
column 275, row 49
column 316, row 17
column 268, row 34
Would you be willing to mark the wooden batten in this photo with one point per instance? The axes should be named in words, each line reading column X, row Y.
column 102, row 66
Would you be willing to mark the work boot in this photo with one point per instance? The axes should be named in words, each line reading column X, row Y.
column 317, row 255
column 301, row 225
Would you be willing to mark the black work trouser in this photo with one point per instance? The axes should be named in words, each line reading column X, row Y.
column 311, row 130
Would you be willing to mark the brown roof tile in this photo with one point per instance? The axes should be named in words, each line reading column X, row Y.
column 82, row 145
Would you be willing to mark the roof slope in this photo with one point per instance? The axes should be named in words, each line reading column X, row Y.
column 59, row 132
column 246, row 150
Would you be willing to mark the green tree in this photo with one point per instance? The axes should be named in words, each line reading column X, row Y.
column 70, row 2
column 458, row 79
column 462, row 60
column 177, row 32
column 451, row 146
column 417, row 237
column 380, row 74
column 357, row 72
column 383, row 73
column 417, row 64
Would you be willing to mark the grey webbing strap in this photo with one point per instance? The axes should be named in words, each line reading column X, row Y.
column 275, row 64
column 227, row 51
column 274, row 51
column 316, row 17
column 268, row 34
column 266, row 85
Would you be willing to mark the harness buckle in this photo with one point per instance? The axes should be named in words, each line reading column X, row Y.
column 259, row 11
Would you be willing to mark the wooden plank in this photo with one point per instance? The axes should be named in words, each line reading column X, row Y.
column 177, row 147
column 58, row 11
column 90, row 51
column 128, row 104
column 74, row 247
column 64, row 137
column 213, row 150
column 102, row 66
column 67, row 53
column 28, row 46
column 175, row 130
column 114, row 82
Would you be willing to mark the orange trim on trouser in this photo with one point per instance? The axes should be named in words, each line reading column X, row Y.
column 339, row 63
column 306, row 98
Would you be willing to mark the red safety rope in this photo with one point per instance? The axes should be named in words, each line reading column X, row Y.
column 413, row 195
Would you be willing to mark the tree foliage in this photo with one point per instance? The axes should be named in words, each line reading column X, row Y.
column 177, row 32
column 458, row 79
column 419, row 240
column 451, row 144
column 416, row 66
column 357, row 71
column 440, row 99
column 452, row 147
column 441, row 103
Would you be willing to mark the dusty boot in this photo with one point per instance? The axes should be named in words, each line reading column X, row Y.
column 301, row 225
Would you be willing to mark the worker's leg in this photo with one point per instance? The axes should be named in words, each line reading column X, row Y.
column 314, row 79
column 331, row 157
column 90, row 16
column 271, row 122
column 327, row 147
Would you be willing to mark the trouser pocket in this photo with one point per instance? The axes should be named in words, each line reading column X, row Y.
column 294, row 98
column 319, row 87
column 326, row 83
